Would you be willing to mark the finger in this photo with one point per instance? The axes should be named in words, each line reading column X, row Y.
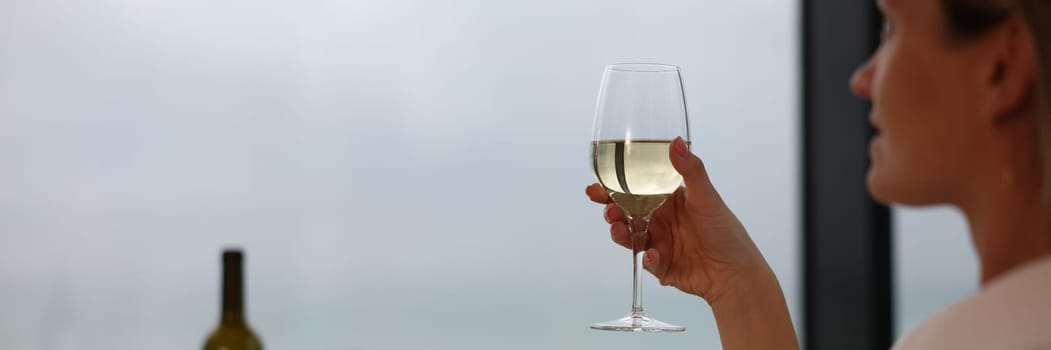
column 651, row 261
column 598, row 194
column 613, row 213
column 694, row 175
column 619, row 232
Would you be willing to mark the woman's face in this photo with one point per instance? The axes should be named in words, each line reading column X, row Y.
column 923, row 87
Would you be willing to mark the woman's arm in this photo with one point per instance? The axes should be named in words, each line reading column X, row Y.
column 755, row 316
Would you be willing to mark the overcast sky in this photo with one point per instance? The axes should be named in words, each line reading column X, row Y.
column 403, row 174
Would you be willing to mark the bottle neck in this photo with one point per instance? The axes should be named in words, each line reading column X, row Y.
column 233, row 292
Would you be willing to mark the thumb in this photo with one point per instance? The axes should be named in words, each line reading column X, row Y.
column 692, row 170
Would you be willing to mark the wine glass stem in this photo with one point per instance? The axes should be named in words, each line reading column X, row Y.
column 639, row 229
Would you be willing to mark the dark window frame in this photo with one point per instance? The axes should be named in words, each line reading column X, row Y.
column 846, row 234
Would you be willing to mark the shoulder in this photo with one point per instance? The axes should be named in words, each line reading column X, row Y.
column 1011, row 312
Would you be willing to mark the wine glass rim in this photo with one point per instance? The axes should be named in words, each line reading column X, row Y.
column 643, row 67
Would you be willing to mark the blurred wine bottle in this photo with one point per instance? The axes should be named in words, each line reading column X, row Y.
column 233, row 332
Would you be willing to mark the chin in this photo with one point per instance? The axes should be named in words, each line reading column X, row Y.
column 877, row 188
column 888, row 188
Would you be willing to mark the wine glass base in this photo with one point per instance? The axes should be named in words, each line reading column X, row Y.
column 637, row 323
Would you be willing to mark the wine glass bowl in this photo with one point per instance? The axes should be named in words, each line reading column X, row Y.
column 641, row 109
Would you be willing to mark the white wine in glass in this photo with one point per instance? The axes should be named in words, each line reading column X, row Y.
column 641, row 109
column 638, row 174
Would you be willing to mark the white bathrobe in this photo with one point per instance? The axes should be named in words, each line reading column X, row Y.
column 1011, row 312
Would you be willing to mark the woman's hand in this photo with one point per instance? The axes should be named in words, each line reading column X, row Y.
column 695, row 242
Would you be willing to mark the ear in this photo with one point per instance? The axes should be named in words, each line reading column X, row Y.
column 1013, row 74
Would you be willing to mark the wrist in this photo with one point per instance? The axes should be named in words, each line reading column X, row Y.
column 745, row 290
column 753, row 314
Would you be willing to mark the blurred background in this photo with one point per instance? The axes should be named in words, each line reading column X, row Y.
column 934, row 263
column 402, row 174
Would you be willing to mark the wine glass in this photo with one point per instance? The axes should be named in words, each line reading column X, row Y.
column 641, row 109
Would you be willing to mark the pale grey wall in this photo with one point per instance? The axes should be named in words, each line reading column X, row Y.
column 934, row 261
column 405, row 174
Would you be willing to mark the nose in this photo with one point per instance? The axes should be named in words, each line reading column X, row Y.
column 861, row 81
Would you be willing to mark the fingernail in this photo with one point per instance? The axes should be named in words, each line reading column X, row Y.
column 648, row 263
column 680, row 147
